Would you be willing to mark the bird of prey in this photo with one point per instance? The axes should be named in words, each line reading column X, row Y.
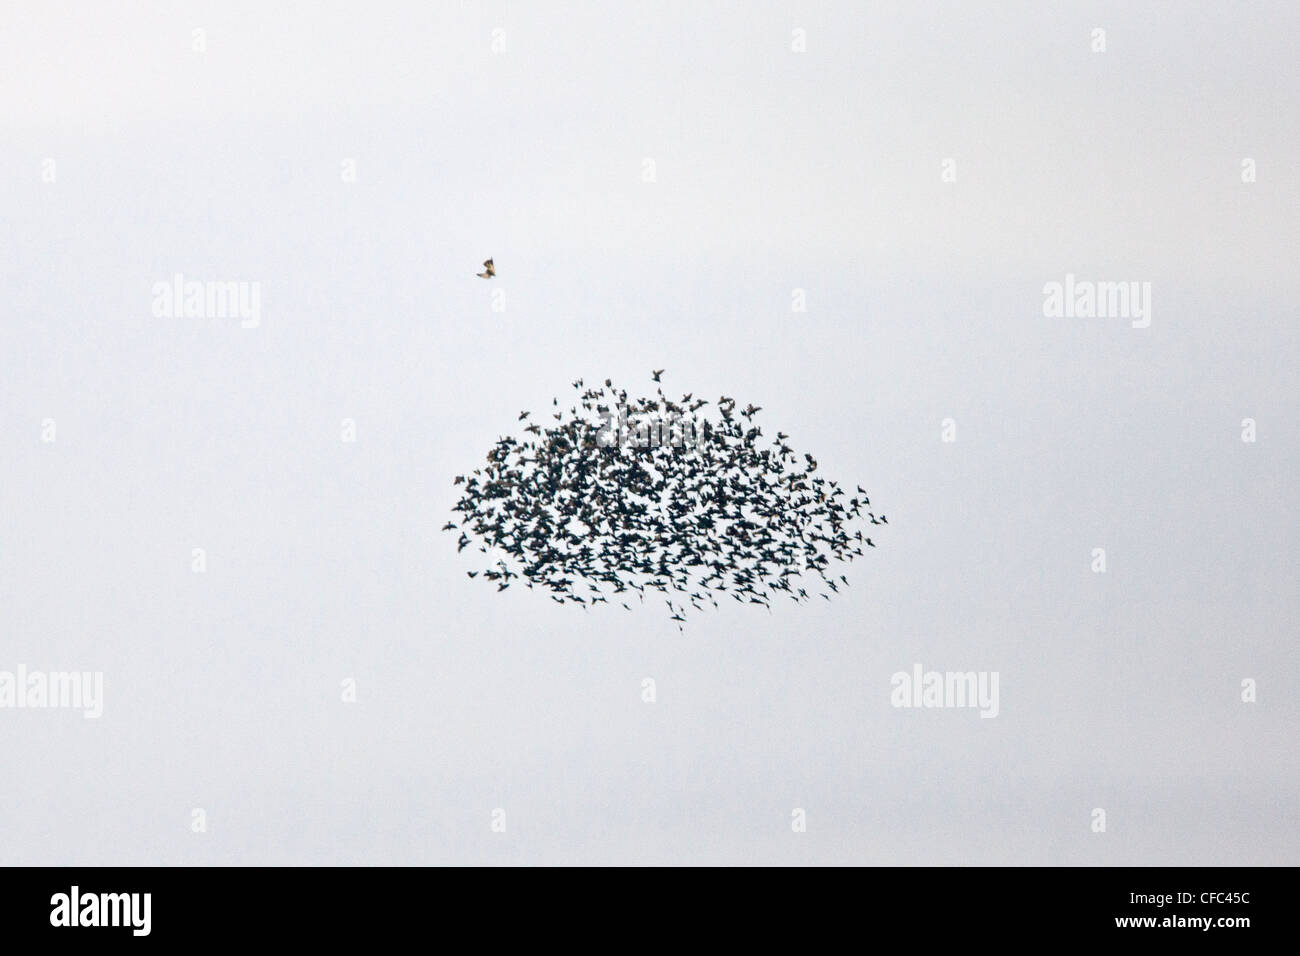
column 488, row 271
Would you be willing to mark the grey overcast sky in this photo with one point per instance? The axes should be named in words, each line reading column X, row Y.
column 921, row 171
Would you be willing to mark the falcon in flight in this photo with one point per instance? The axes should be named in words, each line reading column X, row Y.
column 488, row 272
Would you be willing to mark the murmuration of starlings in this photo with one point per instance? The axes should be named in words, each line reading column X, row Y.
column 616, row 498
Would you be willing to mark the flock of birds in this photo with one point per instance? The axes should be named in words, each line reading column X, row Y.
column 589, row 520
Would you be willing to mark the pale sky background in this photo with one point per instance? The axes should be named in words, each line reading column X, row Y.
column 775, row 170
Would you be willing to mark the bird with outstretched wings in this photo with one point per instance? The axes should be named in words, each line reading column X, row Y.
column 488, row 270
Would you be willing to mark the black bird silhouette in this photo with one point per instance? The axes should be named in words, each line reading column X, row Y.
column 655, row 375
column 488, row 270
